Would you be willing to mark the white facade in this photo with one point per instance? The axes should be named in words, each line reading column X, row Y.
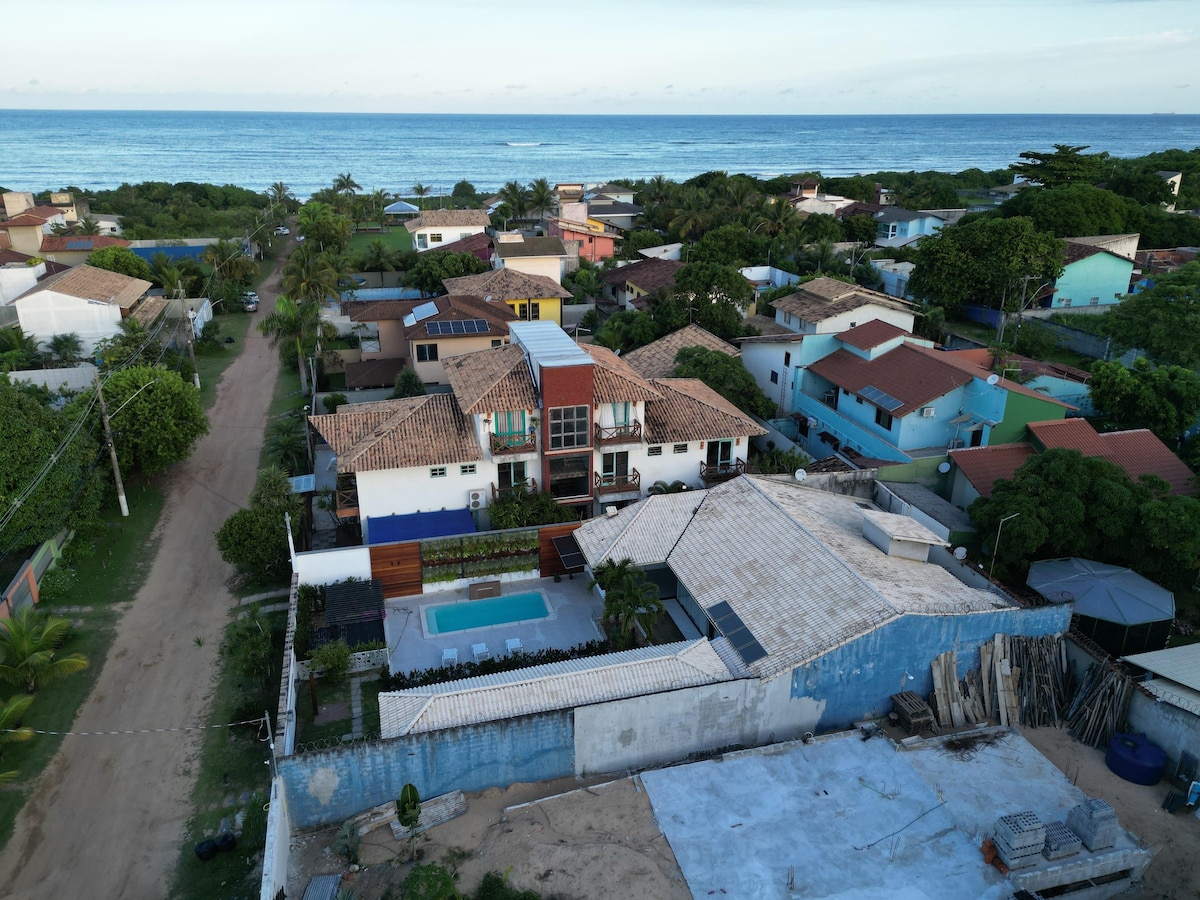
column 399, row 492
column 17, row 279
column 844, row 321
column 48, row 313
column 433, row 237
column 773, row 365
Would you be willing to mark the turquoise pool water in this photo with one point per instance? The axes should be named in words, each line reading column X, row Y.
column 484, row 613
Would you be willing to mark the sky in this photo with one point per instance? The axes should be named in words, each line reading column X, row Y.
column 802, row 57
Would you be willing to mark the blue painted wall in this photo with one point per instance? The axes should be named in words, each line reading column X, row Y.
column 171, row 253
column 858, row 679
column 471, row 758
column 1101, row 275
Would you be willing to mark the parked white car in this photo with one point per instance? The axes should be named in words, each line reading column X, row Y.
column 282, row 229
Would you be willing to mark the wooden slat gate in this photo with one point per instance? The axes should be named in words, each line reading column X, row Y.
column 398, row 568
column 549, row 561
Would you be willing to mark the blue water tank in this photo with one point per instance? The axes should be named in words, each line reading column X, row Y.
column 1135, row 758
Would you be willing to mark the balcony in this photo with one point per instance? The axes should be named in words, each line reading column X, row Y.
column 618, row 484
column 346, row 497
column 514, row 443
column 715, row 473
column 619, row 434
column 528, row 486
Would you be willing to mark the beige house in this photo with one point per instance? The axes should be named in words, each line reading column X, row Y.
column 87, row 301
column 435, row 227
column 545, row 256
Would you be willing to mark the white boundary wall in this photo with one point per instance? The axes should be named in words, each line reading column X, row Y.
column 328, row 566
column 279, row 838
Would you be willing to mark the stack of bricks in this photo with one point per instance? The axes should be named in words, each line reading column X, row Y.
column 1019, row 839
column 1060, row 841
column 1095, row 822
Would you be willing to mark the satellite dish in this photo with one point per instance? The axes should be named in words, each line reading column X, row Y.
column 801, row 474
column 993, row 378
column 812, row 421
column 944, row 467
column 960, row 553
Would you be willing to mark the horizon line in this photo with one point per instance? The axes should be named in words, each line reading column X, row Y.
column 320, row 112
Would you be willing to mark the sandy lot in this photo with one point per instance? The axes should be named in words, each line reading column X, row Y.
column 108, row 815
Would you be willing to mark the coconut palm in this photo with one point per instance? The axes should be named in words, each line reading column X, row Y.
column 65, row 349
column 420, row 191
column 288, row 444
column 516, row 198
column 776, row 217
column 229, row 262
column 345, row 184
column 88, row 226
column 378, row 257
column 630, row 600
column 292, row 321
column 541, row 196
column 657, row 190
column 18, row 350
column 11, row 731
column 692, row 214
column 310, row 276
column 379, row 202
column 28, row 644
column 280, row 193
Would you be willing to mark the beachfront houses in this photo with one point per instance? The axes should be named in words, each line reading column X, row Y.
column 530, row 297
column 87, row 301
column 435, row 227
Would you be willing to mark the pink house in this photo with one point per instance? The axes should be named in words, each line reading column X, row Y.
column 594, row 246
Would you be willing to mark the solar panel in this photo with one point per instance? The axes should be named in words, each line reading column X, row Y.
column 458, row 326
column 424, row 311
column 880, row 398
column 569, row 552
column 735, row 631
column 79, row 245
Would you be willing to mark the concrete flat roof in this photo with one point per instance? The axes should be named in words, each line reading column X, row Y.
column 861, row 818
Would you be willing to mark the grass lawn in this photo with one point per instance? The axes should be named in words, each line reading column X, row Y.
column 230, row 769
column 211, row 363
column 396, row 238
column 111, row 567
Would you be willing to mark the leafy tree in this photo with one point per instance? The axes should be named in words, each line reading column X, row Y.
column 662, row 487
column 1071, row 210
column 775, row 461
column 11, row 731
column 984, row 261
column 464, row 194
column 121, row 260
column 292, row 321
column 431, row 269
column 860, row 229
column 635, row 241
column 727, row 376
column 630, row 600
column 519, row 509
column 33, row 439
column 711, row 283
column 1066, row 165
column 1165, row 399
column 29, row 642
column 1163, row 320
column 821, row 227
column 1140, row 183
column 254, row 541
column 333, row 401
column 627, row 330
column 248, row 648
column 133, row 342
column 156, row 417
column 408, row 384
column 729, row 245
column 273, row 490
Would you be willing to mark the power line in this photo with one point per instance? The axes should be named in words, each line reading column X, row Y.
column 260, row 721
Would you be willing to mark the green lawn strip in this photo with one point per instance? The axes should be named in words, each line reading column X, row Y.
column 327, row 694
column 286, row 400
column 396, row 238
column 231, row 766
column 370, row 707
column 54, row 708
column 211, row 362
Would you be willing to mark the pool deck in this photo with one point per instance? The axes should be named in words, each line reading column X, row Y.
column 572, row 607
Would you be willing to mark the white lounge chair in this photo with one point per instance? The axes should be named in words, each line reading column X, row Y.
column 480, row 651
column 512, row 645
column 450, row 656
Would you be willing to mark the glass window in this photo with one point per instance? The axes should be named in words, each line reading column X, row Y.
column 568, row 427
column 787, row 359
column 468, row 469
column 510, row 474
column 883, row 419
column 435, row 239
column 570, row 476
column 427, row 352
column 774, row 377
column 437, row 472
column 535, row 311
column 510, row 422
column 620, row 413
column 422, row 241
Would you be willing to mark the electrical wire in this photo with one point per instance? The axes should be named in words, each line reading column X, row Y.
column 260, row 721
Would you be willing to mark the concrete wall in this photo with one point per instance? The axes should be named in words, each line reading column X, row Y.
column 48, row 313
column 279, row 837
column 328, row 566
column 1172, row 728
column 1102, row 278
column 331, row 785
column 390, row 492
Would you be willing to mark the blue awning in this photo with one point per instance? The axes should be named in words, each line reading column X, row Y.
column 418, row 526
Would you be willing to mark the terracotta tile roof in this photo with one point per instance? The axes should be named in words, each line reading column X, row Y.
column 447, row 218
column 829, row 464
column 474, row 244
column 1107, row 242
column 824, row 297
column 12, row 257
column 397, row 434
column 972, row 363
column 452, row 308
column 506, row 284
column 24, row 220
column 984, row 466
column 65, row 243
column 89, row 283
column 539, row 246
column 858, row 208
column 614, row 380
column 648, row 275
column 1139, row 452
column 1075, row 252
column 374, row 373
column 378, row 310
column 871, row 334
column 491, row 380
column 692, row 411
column 910, row 376
column 657, row 359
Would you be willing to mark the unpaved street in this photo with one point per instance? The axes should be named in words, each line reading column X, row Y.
column 107, row 818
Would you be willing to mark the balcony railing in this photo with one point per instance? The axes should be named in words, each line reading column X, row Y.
column 528, row 486
column 715, row 473
column 514, row 443
column 619, row 434
column 346, row 497
column 619, row 484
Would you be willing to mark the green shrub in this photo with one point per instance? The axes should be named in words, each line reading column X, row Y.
column 56, row 585
column 333, row 401
column 254, row 822
column 334, row 659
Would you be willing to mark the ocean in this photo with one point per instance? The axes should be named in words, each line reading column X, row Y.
column 48, row 149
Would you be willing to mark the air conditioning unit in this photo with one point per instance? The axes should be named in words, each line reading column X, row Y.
column 954, row 444
column 927, row 412
column 477, row 499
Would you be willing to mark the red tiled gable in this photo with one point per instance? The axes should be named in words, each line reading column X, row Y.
column 648, row 275
column 912, row 377
column 475, row 244
column 24, row 220
column 871, row 334
column 378, row 310
column 967, row 361
column 984, row 466
column 497, row 316
column 1076, row 252
column 1139, row 452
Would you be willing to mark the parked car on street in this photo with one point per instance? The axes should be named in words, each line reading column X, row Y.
column 250, row 301
column 282, row 229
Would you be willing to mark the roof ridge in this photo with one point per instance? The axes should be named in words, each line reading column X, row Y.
column 385, row 426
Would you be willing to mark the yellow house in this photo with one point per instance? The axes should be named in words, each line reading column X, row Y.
column 530, row 297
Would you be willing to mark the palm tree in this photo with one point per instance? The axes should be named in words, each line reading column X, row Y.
column 280, row 193
column 311, row 276
column 345, row 184
column 420, row 192
column 89, row 226
column 11, row 731
column 65, row 349
column 292, row 321
column 541, row 196
column 629, row 599
column 657, row 189
column 229, row 262
column 287, row 443
column 515, row 198
column 18, row 350
column 379, row 201
column 776, row 217
column 691, row 214
column 28, row 642
column 378, row 257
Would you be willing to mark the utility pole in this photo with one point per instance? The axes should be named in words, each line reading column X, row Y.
column 191, row 317
column 112, row 448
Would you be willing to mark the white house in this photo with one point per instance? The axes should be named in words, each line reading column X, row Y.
column 85, row 300
column 435, row 227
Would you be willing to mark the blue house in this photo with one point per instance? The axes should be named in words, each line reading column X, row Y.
column 1097, row 272
column 899, row 227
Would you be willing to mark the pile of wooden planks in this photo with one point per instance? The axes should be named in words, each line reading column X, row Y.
column 433, row 812
column 1041, row 689
column 958, row 702
column 1099, row 705
column 1000, row 680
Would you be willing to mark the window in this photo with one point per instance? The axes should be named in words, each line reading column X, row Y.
column 427, row 352
column 435, row 239
column 1066, row 301
column 369, row 344
column 620, row 413
column 568, row 427
column 510, row 475
column 463, row 235
column 535, row 311
column 857, row 399
column 468, row 469
column 422, row 242
column 496, row 342
column 1095, row 301
column 437, row 472
column 656, row 450
column 853, row 324
column 883, row 419
column 774, row 377
column 787, row 318
column 679, row 448
column 615, row 467
column 570, row 476
column 787, row 360
column 522, row 310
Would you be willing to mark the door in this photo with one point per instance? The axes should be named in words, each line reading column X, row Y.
column 511, row 475
column 620, row 415
column 720, row 454
column 615, row 467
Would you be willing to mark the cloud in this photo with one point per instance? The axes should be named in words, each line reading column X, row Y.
column 516, row 87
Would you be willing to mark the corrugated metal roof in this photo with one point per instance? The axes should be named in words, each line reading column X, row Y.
column 1180, row 664
column 547, row 344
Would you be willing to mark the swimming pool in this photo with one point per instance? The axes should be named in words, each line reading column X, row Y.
column 448, row 617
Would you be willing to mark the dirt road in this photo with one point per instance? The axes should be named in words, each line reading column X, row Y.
column 109, row 813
